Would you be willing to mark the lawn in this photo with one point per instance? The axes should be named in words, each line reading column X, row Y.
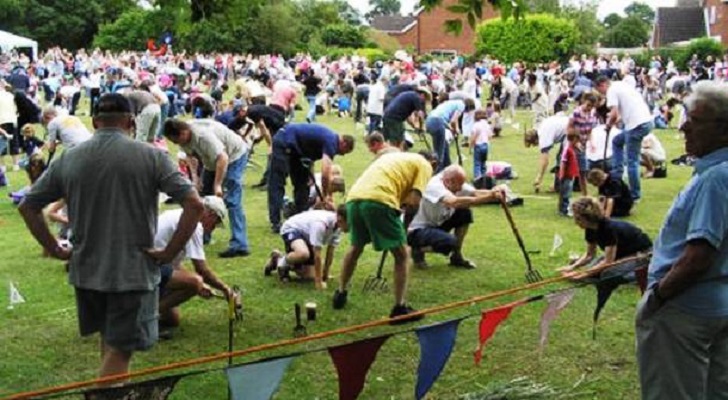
column 40, row 345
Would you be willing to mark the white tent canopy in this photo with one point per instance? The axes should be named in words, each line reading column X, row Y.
column 8, row 41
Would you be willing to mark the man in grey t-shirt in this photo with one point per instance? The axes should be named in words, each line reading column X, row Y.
column 111, row 185
column 224, row 155
column 148, row 114
column 64, row 129
column 444, row 207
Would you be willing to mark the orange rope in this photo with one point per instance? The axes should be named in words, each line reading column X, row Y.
column 317, row 336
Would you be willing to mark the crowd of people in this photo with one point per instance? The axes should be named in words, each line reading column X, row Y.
column 597, row 114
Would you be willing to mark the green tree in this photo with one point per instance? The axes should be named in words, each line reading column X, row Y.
column 545, row 7
column 535, row 38
column 612, row 20
column 642, row 11
column 629, row 32
column 275, row 30
column 343, row 35
column 383, row 7
column 585, row 18
column 129, row 32
column 349, row 14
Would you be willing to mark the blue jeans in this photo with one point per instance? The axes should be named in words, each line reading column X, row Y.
column 631, row 143
column 660, row 122
column 233, row 197
column 375, row 123
column 566, row 186
column 436, row 128
column 311, row 116
column 480, row 156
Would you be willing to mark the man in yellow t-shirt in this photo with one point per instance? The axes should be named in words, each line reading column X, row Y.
column 373, row 206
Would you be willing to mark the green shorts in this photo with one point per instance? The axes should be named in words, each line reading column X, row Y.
column 376, row 223
column 127, row 321
column 393, row 130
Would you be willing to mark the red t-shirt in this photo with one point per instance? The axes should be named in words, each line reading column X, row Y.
column 569, row 165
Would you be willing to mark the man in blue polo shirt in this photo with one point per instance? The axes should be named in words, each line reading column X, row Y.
column 682, row 320
column 407, row 106
column 292, row 146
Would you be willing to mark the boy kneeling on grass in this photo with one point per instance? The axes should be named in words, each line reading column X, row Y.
column 614, row 194
column 304, row 236
column 617, row 239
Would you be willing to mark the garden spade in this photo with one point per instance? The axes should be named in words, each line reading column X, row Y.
column 532, row 275
column 377, row 282
column 299, row 330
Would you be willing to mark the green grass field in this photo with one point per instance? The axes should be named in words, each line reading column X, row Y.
column 40, row 345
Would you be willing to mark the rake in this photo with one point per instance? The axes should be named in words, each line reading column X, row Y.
column 377, row 282
column 532, row 275
column 456, row 139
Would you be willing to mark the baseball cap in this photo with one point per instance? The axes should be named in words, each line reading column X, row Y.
column 216, row 205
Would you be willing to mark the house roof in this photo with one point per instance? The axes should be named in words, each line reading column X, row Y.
column 392, row 23
column 679, row 24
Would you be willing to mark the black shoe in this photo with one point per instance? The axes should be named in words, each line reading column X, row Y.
column 418, row 258
column 230, row 253
column 461, row 262
column 284, row 273
column 403, row 309
column 272, row 263
column 340, row 299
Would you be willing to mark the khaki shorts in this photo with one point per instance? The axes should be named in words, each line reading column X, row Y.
column 376, row 223
column 127, row 321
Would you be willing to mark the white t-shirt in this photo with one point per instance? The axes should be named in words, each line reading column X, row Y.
column 432, row 213
column 167, row 225
column 542, row 103
column 67, row 129
column 597, row 140
column 317, row 226
column 482, row 131
column 652, row 147
column 375, row 104
column 630, row 104
column 552, row 131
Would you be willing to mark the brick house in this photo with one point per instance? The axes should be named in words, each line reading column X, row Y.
column 424, row 31
column 690, row 19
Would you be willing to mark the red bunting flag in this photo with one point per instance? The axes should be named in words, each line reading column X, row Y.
column 352, row 363
column 488, row 324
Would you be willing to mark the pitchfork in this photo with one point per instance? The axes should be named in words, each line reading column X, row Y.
column 532, row 275
column 235, row 304
column 377, row 282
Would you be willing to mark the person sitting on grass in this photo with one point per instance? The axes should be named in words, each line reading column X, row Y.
column 445, row 206
column 652, row 154
column 617, row 239
column 178, row 285
column 304, row 236
column 614, row 194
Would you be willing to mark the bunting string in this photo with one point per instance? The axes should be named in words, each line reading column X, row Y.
column 318, row 336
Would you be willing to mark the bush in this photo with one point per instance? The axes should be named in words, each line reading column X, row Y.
column 343, row 35
column 702, row 47
column 374, row 55
column 536, row 38
column 129, row 32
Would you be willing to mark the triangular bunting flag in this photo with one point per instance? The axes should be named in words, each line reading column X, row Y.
column 558, row 241
column 352, row 363
column 488, row 323
column 605, row 288
column 156, row 389
column 436, row 344
column 257, row 381
column 15, row 297
column 556, row 303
